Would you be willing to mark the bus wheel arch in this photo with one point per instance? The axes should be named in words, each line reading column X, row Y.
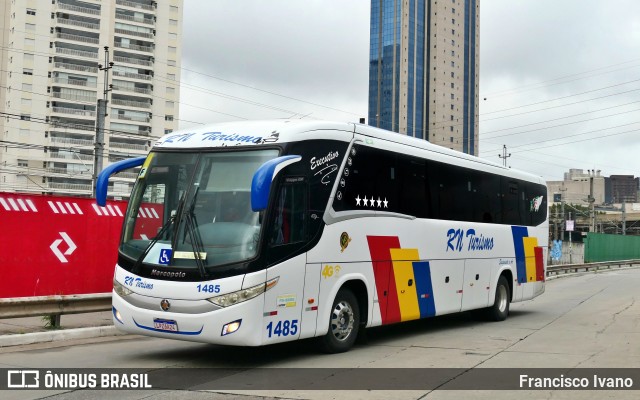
column 359, row 289
column 348, row 315
column 509, row 277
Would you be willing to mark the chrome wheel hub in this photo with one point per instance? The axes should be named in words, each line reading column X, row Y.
column 502, row 298
column 342, row 321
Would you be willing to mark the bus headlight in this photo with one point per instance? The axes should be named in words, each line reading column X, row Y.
column 239, row 296
column 120, row 289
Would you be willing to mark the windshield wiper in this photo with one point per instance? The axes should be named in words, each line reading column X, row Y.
column 191, row 227
column 152, row 243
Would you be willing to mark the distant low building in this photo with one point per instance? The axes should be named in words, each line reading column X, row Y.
column 576, row 186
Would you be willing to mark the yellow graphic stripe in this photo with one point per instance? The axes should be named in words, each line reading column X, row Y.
column 145, row 166
column 530, row 243
column 406, row 282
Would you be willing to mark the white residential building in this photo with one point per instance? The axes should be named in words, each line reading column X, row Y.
column 50, row 81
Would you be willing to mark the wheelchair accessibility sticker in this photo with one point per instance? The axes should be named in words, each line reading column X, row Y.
column 165, row 256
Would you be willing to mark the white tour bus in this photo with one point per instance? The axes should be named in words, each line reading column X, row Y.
column 254, row 233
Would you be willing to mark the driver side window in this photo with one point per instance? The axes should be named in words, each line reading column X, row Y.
column 290, row 212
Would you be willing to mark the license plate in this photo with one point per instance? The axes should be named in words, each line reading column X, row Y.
column 165, row 325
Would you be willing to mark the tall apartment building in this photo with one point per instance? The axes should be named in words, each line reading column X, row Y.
column 50, row 81
column 423, row 72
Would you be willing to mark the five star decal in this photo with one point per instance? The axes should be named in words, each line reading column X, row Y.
column 379, row 203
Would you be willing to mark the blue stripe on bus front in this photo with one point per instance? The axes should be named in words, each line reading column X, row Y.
column 193, row 333
column 520, row 232
column 422, row 275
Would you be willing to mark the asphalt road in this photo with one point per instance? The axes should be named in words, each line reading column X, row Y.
column 587, row 321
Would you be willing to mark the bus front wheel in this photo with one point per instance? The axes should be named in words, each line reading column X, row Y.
column 500, row 309
column 344, row 323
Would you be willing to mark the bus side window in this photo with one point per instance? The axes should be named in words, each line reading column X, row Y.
column 412, row 188
column 512, row 203
column 289, row 224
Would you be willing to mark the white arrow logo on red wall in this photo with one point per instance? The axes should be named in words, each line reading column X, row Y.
column 57, row 252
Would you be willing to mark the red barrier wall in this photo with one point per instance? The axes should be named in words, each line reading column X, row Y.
column 55, row 245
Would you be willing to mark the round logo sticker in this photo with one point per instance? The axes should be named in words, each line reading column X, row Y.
column 344, row 241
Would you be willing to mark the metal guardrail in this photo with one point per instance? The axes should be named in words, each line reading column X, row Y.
column 54, row 305
column 559, row 270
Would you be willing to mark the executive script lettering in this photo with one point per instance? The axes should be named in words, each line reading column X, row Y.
column 316, row 162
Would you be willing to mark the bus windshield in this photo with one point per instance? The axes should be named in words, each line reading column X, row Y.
column 193, row 210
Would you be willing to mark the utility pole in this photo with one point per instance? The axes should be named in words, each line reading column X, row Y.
column 101, row 115
column 562, row 211
column 592, row 200
column 504, row 155
column 570, row 244
column 624, row 219
column 555, row 225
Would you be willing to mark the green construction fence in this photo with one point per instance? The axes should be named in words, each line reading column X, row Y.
column 603, row 247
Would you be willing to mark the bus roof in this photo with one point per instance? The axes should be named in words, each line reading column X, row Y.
column 252, row 133
column 256, row 133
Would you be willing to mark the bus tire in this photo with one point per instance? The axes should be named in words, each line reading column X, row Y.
column 500, row 308
column 344, row 323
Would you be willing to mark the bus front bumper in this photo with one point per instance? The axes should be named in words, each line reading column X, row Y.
column 239, row 325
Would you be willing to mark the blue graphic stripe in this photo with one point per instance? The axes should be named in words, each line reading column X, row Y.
column 188, row 333
column 520, row 232
column 424, row 288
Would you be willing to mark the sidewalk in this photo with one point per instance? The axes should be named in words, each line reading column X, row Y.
column 21, row 331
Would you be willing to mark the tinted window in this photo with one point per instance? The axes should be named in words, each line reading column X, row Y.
column 536, row 207
column 290, row 213
column 413, row 190
column 369, row 181
column 381, row 180
column 487, row 198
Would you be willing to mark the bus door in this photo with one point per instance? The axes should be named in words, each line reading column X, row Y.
column 477, row 281
column 447, row 278
column 286, row 237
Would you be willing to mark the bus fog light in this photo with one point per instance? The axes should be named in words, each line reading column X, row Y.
column 117, row 315
column 231, row 327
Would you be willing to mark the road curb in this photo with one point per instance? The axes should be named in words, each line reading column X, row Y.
column 65, row 334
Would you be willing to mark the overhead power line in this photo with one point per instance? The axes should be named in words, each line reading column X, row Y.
column 559, row 118
column 548, row 82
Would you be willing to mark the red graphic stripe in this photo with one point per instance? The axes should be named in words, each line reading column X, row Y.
column 539, row 264
column 379, row 247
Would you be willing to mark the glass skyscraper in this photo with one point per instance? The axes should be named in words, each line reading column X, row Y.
column 423, row 71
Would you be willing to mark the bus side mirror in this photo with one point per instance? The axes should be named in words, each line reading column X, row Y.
column 263, row 177
column 102, row 182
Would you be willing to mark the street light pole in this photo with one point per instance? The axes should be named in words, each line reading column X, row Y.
column 504, row 155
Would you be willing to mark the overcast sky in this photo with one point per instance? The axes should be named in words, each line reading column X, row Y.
column 559, row 79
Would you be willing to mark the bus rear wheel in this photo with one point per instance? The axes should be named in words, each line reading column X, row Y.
column 500, row 309
column 344, row 323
